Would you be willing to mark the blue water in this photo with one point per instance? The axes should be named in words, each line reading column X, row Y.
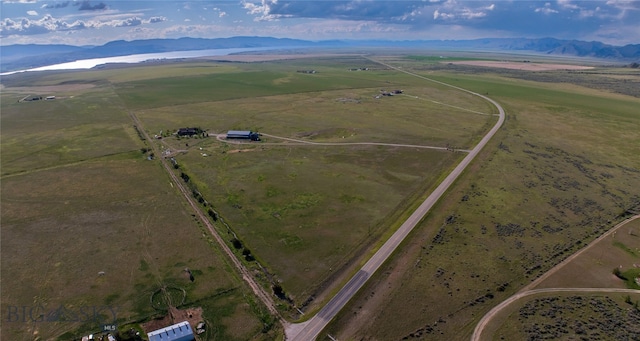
column 137, row 58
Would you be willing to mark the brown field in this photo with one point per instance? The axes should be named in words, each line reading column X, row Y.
column 522, row 65
column 593, row 268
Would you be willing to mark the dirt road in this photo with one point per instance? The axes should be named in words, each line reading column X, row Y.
column 527, row 291
column 222, row 137
column 246, row 275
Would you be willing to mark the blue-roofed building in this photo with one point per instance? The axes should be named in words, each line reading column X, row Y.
column 178, row 332
column 243, row 134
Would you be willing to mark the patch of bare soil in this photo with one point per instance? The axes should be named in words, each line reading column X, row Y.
column 240, row 151
column 192, row 315
column 525, row 66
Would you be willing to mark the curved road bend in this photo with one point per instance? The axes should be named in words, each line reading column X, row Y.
column 310, row 329
column 526, row 291
column 508, row 301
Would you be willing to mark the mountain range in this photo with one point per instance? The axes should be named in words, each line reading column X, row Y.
column 20, row 57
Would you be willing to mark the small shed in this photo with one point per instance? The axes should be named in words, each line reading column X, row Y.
column 178, row 332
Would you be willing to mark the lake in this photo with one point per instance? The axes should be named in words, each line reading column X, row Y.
column 137, row 58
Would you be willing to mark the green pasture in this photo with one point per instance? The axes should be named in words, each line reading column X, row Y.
column 80, row 199
column 274, row 78
column 307, row 211
column 562, row 170
column 62, row 227
column 77, row 126
column 339, row 116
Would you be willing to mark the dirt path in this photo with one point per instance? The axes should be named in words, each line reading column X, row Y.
column 221, row 137
column 265, row 297
column 528, row 290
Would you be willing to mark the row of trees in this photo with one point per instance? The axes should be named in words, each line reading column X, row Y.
column 237, row 243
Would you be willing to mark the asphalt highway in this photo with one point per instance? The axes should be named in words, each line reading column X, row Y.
column 310, row 329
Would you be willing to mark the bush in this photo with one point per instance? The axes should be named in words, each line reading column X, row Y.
column 237, row 244
column 619, row 274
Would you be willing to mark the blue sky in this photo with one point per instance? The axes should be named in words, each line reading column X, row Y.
column 97, row 22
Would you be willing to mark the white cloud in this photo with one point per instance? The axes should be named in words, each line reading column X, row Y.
column 567, row 4
column 32, row 13
column 262, row 10
column 48, row 23
column 468, row 13
column 441, row 15
column 546, row 9
column 413, row 14
column 624, row 4
column 454, row 10
column 221, row 13
column 154, row 20
column 585, row 13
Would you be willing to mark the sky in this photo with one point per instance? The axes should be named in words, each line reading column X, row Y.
column 89, row 22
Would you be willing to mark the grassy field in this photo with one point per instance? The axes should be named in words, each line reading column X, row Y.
column 562, row 170
column 44, row 134
column 74, row 179
column 310, row 212
column 91, row 229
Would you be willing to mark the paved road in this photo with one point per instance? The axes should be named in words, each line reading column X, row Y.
column 526, row 291
column 312, row 328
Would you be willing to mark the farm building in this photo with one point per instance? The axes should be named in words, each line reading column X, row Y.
column 178, row 332
column 243, row 134
column 188, row 131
